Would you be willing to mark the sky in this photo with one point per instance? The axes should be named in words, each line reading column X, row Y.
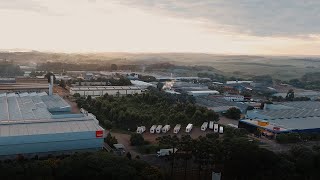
column 271, row 27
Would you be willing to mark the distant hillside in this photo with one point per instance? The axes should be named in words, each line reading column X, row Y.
column 284, row 68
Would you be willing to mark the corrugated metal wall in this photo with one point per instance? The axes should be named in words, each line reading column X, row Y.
column 49, row 143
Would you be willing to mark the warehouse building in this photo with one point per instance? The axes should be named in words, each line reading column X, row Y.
column 219, row 104
column 203, row 93
column 24, row 87
column 42, row 124
column 102, row 90
column 298, row 116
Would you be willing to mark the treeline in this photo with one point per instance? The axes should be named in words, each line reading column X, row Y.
column 297, row 137
column 237, row 157
column 152, row 107
column 8, row 69
column 60, row 67
column 308, row 81
column 79, row 166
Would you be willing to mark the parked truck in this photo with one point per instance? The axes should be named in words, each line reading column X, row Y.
column 141, row 129
column 189, row 128
column 166, row 128
column 204, row 126
column 216, row 128
column 158, row 129
column 177, row 128
column 166, row 152
column 153, row 128
column 221, row 130
column 211, row 125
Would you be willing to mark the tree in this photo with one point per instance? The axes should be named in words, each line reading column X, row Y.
column 233, row 113
column 136, row 139
column 62, row 83
column 172, row 142
column 114, row 67
column 160, row 86
column 76, row 95
column 107, row 124
column 129, row 156
column 290, row 95
column 48, row 75
column 186, row 145
column 110, row 140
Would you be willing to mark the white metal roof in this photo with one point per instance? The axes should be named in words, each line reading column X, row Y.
column 97, row 88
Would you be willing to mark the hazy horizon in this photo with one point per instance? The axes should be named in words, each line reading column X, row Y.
column 253, row 27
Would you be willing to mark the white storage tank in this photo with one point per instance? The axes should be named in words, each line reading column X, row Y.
column 177, row 128
column 204, row 126
column 189, row 128
column 166, row 128
column 153, row 128
column 158, row 129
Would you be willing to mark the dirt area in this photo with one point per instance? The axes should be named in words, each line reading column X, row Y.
column 225, row 121
column 125, row 138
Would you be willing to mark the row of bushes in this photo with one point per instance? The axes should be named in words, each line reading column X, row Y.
column 297, row 137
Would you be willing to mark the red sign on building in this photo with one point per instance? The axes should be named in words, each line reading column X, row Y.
column 99, row 133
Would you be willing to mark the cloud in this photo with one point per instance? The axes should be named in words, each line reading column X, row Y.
column 255, row 17
column 34, row 6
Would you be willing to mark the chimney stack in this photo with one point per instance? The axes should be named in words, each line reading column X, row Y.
column 51, row 86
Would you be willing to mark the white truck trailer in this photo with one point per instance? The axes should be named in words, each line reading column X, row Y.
column 221, row 129
column 166, row 152
column 177, row 128
column 153, row 129
column 216, row 128
column 189, row 128
column 204, row 126
column 166, row 128
column 158, row 129
column 141, row 129
column 211, row 125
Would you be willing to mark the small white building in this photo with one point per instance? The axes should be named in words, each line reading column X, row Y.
column 235, row 98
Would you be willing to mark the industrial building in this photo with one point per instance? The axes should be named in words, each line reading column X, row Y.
column 313, row 95
column 38, row 123
column 141, row 84
column 102, row 90
column 23, row 87
column 203, row 93
column 298, row 116
column 219, row 104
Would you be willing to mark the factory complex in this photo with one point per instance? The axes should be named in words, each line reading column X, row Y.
column 297, row 116
column 38, row 123
column 102, row 90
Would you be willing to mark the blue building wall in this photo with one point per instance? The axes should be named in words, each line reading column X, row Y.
column 49, row 143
